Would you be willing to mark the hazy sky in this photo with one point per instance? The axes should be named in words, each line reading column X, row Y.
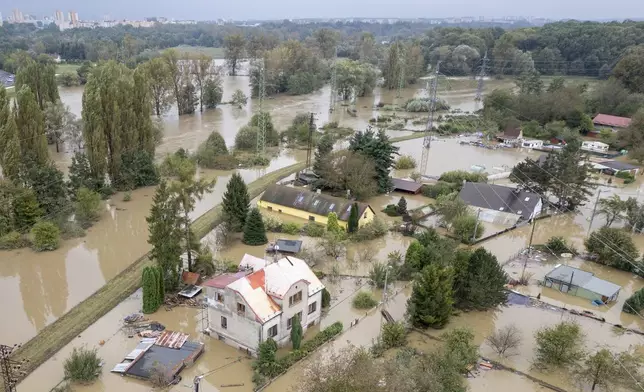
column 280, row 9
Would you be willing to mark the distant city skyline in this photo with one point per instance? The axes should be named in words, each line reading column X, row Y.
column 291, row 9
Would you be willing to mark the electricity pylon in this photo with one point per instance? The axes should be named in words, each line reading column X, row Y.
column 479, row 87
column 261, row 135
column 334, row 81
column 427, row 140
column 9, row 368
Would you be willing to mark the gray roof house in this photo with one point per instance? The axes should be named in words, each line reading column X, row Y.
column 500, row 204
column 581, row 283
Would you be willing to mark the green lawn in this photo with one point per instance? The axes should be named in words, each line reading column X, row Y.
column 215, row 53
column 63, row 68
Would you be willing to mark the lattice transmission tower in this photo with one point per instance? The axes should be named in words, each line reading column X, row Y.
column 9, row 368
column 427, row 140
column 480, row 84
column 261, row 135
column 401, row 73
column 333, row 96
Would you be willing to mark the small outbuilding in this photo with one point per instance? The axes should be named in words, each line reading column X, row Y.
column 500, row 204
column 511, row 135
column 615, row 167
column 581, row 283
column 614, row 123
column 408, row 186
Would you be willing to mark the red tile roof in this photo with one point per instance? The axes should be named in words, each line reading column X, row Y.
column 223, row 280
column 257, row 279
column 190, row 277
column 512, row 132
column 612, row 121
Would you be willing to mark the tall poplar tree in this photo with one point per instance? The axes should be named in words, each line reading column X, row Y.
column 158, row 75
column 165, row 234
column 40, row 76
column 236, row 203
column 116, row 114
column 31, row 127
column 11, row 155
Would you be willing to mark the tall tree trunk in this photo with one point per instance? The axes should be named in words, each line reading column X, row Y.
column 157, row 106
column 56, row 142
column 187, row 222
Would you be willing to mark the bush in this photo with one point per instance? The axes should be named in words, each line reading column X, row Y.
column 635, row 303
column 558, row 245
column 272, row 224
column 83, row 365
column 13, row 240
column 313, row 230
column 326, row 298
column 68, row 79
column 378, row 273
column 364, row 300
column 178, row 165
column 626, row 176
column 391, row 210
column 291, row 228
column 394, row 335
column 127, row 196
column 441, row 188
column 45, row 236
column 239, row 99
column 212, row 148
column 464, row 226
column 416, row 105
column 405, row 162
column 458, row 176
column 69, row 230
column 372, row 230
column 246, row 138
column 619, row 254
column 88, row 207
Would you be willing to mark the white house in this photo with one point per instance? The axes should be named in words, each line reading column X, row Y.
column 594, row 146
column 532, row 144
column 248, row 307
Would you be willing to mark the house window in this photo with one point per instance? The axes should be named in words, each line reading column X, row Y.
column 241, row 308
column 224, row 322
column 219, row 297
column 272, row 331
column 289, row 322
column 294, row 299
column 311, row 218
column 313, row 307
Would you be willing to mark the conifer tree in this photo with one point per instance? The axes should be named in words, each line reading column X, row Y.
column 324, row 148
column 165, row 235
column 236, row 203
column 160, row 283
column 484, row 283
column 430, row 304
column 11, row 155
column 354, row 219
column 31, row 128
column 332, row 225
column 402, row 206
column 254, row 231
column 26, row 210
column 378, row 147
column 150, row 290
column 296, row 332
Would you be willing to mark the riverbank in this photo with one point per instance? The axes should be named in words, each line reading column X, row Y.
column 56, row 335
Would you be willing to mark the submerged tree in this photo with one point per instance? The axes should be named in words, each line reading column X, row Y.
column 160, row 82
column 31, row 128
column 379, row 148
column 150, row 282
column 559, row 346
column 234, row 45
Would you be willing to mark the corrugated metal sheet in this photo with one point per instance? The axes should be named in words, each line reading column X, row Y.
column 171, row 339
column 121, row 367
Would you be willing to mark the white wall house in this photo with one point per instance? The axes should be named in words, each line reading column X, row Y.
column 532, row 144
column 594, row 146
column 248, row 307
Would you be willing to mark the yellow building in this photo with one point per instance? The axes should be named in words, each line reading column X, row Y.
column 312, row 206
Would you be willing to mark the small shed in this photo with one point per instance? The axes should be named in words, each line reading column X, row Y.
column 581, row 283
column 614, row 167
column 612, row 122
column 408, row 186
column 285, row 246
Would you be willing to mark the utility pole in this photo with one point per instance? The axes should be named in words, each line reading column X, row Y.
column 334, row 81
column 592, row 217
column 9, row 368
column 637, row 199
column 261, row 135
column 534, row 224
column 401, row 74
column 309, row 149
column 384, row 295
column 476, row 226
column 427, row 140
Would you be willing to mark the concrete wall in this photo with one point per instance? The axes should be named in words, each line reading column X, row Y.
column 366, row 217
column 242, row 330
column 284, row 333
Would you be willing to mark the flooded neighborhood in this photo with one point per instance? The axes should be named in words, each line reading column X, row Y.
column 387, row 214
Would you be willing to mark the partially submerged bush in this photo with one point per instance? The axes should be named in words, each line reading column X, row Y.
column 423, row 105
column 212, row 148
column 313, row 230
column 83, row 365
column 290, row 228
column 441, row 188
column 364, row 300
column 391, row 210
column 405, row 162
column 458, row 176
column 45, row 236
column 13, row 240
column 272, row 224
column 372, row 230
column 559, row 245
column 394, row 335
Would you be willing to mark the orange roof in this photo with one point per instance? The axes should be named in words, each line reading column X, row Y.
column 190, row 277
column 612, row 121
column 257, row 279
